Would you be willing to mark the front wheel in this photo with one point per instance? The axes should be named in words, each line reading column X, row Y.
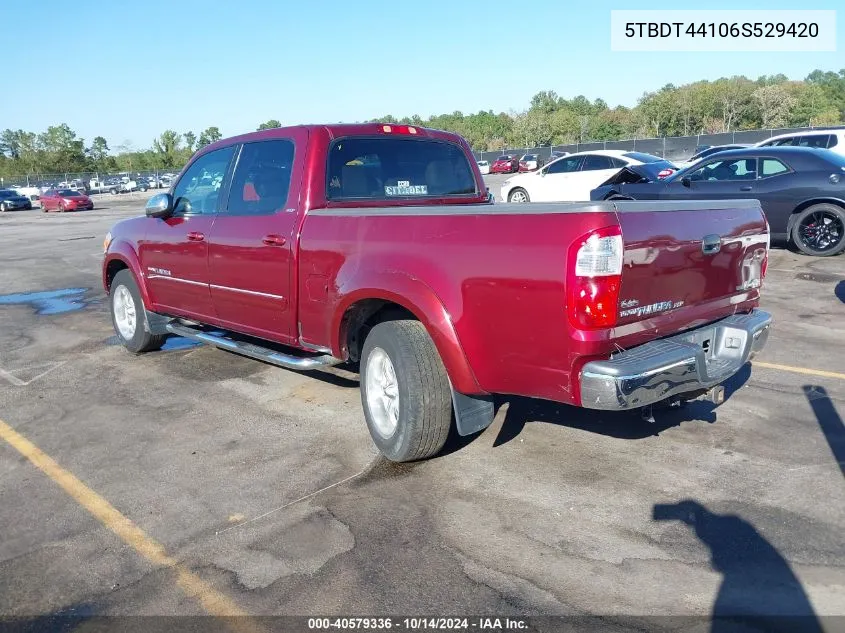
column 518, row 195
column 3, row 207
column 405, row 391
column 129, row 317
column 820, row 230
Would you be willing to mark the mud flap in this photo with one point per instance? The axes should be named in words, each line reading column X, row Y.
column 472, row 413
column 156, row 323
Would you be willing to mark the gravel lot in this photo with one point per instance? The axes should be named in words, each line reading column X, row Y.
column 262, row 488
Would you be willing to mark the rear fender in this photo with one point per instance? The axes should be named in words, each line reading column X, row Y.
column 808, row 203
column 421, row 301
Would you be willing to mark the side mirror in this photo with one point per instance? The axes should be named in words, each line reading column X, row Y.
column 159, row 206
column 685, row 181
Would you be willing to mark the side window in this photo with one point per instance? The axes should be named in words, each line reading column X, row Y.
column 198, row 189
column 814, row 140
column 784, row 142
column 261, row 181
column 565, row 165
column 593, row 162
column 772, row 167
column 832, row 141
column 721, row 170
column 618, row 163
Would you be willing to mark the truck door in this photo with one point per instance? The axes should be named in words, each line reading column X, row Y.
column 174, row 253
column 252, row 244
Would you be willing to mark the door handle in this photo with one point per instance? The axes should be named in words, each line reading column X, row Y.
column 711, row 244
column 274, row 240
column 745, row 188
column 196, row 236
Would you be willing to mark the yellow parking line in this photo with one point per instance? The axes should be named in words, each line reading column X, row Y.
column 212, row 601
column 801, row 370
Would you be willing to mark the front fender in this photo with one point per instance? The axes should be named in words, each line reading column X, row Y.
column 123, row 251
column 421, row 301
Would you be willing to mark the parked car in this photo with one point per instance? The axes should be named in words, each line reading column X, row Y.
column 556, row 155
column 708, row 152
column 398, row 265
column 833, row 140
column 484, row 167
column 574, row 176
column 530, row 162
column 11, row 200
column 65, row 200
column 111, row 186
column 801, row 190
column 507, row 164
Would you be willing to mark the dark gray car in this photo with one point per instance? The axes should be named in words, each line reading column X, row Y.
column 801, row 190
column 12, row 200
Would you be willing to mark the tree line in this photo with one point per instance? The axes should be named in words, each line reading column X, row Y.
column 701, row 107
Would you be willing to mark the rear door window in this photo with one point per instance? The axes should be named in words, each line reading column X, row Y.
column 594, row 162
column 814, row 140
column 379, row 168
column 262, row 176
column 772, row 167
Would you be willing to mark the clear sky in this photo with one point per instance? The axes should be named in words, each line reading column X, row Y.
column 132, row 70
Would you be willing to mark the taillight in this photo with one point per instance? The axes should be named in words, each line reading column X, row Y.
column 664, row 173
column 765, row 265
column 594, row 278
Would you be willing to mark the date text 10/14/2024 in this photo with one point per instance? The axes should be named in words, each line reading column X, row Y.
column 419, row 624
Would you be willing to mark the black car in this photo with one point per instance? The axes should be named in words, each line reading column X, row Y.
column 709, row 151
column 11, row 200
column 801, row 190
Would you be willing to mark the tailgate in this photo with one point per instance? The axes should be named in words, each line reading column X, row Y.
column 687, row 263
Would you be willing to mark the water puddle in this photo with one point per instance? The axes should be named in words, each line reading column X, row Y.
column 49, row 301
column 171, row 344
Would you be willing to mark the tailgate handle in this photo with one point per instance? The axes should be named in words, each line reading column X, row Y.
column 711, row 244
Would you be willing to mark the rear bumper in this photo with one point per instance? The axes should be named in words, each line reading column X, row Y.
column 675, row 365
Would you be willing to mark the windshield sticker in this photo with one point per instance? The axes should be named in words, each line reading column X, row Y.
column 405, row 188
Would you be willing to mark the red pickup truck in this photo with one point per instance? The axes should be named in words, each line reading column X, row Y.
column 378, row 245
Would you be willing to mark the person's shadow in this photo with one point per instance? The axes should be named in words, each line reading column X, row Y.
column 759, row 591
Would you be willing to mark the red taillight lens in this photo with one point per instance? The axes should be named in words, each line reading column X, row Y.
column 594, row 279
column 665, row 172
column 399, row 129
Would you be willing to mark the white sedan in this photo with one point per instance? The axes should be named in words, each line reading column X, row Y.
column 572, row 177
column 484, row 166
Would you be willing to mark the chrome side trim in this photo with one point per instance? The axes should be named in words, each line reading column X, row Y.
column 273, row 357
column 179, row 279
column 247, row 292
column 674, row 365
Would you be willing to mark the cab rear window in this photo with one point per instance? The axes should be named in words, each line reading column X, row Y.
column 389, row 168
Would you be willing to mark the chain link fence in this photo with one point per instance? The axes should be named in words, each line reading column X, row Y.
column 673, row 148
column 47, row 181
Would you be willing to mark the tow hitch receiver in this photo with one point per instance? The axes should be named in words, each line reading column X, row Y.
column 716, row 395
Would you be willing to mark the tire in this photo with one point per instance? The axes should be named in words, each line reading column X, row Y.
column 136, row 339
column 60, row 208
column 113, row 191
column 518, row 195
column 423, row 400
column 3, row 207
column 819, row 230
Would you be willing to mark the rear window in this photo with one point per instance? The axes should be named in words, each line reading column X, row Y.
column 385, row 168
column 529, row 157
column 67, row 192
column 643, row 158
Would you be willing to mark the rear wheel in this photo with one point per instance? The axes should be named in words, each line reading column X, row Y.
column 129, row 317
column 820, row 230
column 518, row 195
column 405, row 391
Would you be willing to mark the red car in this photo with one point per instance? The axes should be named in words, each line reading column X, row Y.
column 506, row 164
column 310, row 246
column 65, row 200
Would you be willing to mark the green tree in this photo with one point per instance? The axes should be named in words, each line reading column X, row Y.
column 98, row 153
column 190, row 141
column 775, row 104
column 168, row 148
column 208, row 136
column 269, row 125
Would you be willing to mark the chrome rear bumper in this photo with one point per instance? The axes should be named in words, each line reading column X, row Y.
column 684, row 363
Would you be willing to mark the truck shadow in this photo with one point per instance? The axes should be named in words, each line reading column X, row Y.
column 626, row 425
column 839, row 291
column 829, row 421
